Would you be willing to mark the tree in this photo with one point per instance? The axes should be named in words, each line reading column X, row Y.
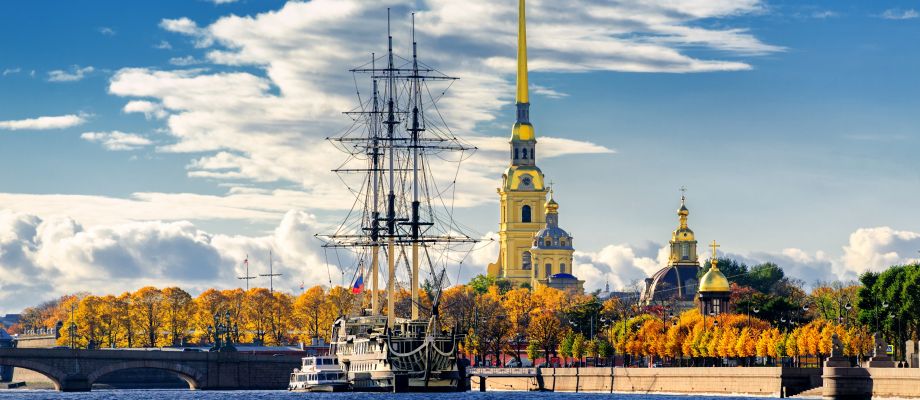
column 545, row 330
column 565, row 348
column 457, row 307
column 179, row 311
column 280, row 317
column 314, row 313
column 481, row 283
column 209, row 303
column 256, row 313
column 579, row 347
column 147, row 314
column 342, row 300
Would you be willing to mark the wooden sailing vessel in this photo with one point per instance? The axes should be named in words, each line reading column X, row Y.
column 402, row 217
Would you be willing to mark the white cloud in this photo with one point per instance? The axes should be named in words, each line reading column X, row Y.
column 11, row 71
column 150, row 109
column 107, row 31
column 223, row 1
column 897, row 13
column 874, row 249
column 188, row 27
column 76, row 74
column 548, row 92
column 117, row 141
column 824, row 14
column 45, row 123
column 46, row 257
column 163, row 45
column 184, row 61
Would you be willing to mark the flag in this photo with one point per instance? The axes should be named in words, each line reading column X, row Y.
column 301, row 285
column 359, row 285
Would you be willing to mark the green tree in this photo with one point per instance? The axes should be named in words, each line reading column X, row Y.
column 480, row 283
column 578, row 347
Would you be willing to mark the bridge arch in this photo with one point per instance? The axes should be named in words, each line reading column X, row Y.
column 190, row 375
column 49, row 371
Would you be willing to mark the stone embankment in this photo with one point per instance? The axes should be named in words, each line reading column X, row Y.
column 829, row 383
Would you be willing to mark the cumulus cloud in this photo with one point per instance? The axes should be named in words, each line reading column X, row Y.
column 898, row 14
column 45, row 123
column 106, row 31
column 163, row 45
column 11, row 71
column 188, row 27
column 117, row 141
column 243, row 125
column 874, row 249
column 75, row 74
column 150, row 109
column 622, row 265
column 46, row 257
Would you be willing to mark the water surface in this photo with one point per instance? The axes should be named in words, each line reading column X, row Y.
column 215, row 395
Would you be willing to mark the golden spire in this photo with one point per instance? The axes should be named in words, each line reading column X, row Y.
column 523, row 130
column 522, row 95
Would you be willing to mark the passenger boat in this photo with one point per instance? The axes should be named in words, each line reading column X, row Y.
column 319, row 374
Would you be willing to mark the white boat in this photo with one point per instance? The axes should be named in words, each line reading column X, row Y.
column 319, row 374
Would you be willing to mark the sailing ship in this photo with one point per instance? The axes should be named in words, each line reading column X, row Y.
column 397, row 153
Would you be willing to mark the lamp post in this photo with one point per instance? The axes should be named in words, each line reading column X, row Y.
column 72, row 329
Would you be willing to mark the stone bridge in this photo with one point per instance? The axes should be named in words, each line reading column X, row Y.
column 76, row 370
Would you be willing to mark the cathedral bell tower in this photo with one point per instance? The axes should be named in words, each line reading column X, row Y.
column 523, row 193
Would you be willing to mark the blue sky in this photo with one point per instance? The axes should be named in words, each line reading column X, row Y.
column 184, row 135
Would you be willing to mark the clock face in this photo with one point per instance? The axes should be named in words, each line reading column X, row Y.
column 526, row 180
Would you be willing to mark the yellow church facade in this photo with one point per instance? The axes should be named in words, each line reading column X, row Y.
column 524, row 210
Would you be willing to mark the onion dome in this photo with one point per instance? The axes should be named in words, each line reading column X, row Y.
column 714, row 280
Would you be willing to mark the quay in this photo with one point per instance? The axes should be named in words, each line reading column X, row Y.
column 828, row 382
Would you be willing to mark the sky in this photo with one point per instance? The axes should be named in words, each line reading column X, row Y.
column 160, row 143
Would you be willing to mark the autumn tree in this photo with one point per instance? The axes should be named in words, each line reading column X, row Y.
column 545, row 330
column 313, row 313
column 147, row 314
column 178, row 311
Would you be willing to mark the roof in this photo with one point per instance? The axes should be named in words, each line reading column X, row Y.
column 563, row 276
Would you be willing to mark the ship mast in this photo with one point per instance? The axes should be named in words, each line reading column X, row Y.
column 375, row 215
column 391, row 197
column 416, row 94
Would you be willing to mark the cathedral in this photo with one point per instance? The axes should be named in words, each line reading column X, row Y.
column 676, row 283
column 534, row 249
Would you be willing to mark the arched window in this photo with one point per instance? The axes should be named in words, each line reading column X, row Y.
column 549, row 242
column 515, row 154
column 549, row 270
column 525, row 154
column 562, row 242
column 685, row 251
column 526, row 260
column 525, row 214
column 561, row 268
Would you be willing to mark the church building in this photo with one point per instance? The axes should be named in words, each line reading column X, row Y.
column 534, row 250
column 676, row 284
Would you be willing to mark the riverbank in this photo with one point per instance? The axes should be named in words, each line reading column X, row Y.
column 725, row 381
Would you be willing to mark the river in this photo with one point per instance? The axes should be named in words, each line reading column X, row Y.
column 188, row 394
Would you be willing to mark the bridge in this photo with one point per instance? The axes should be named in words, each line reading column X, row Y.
column 77, row 370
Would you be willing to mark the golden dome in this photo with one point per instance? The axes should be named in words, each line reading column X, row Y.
column 714, row 281
column 551, row 206
column 683, row 211
column 522, row 131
